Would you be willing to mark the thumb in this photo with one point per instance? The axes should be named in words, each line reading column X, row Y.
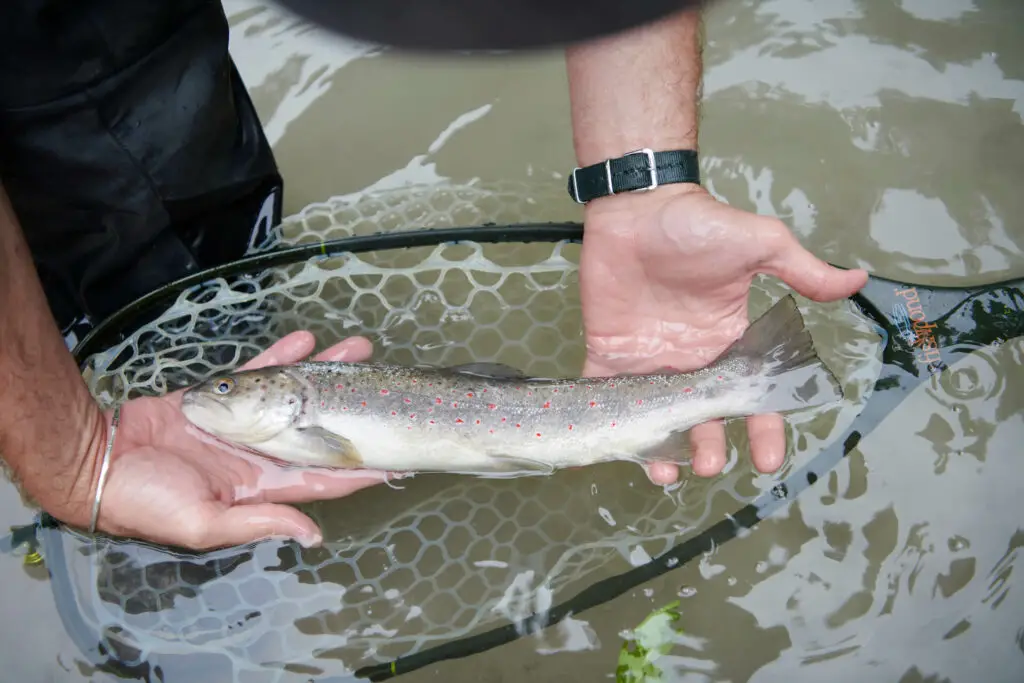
column 242, row 524
column 809, row 275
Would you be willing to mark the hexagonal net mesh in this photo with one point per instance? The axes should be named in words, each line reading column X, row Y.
column 399, row 570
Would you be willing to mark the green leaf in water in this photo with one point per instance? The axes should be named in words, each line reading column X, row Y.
column 650, row 640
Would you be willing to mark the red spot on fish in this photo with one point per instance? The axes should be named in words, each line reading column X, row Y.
column 345, row 408
column 414, row 381
column 593, row 404
column 339, row 386
column 364, row 404
column 556, row 391
column 538, row 435
column 529, row 393
column 504, row 419
column 720, row 377
column 407, row 400
column 469, row 395
column 413, row 416
column 485, row 391
column 322, row 404
column 491, row 406
column 570, row 428
column 590, row 386
column 547, row 404
column 687, row 390
column 455, row 405
column 640, row 402
column 437, row 400
column 612, row 385
column 383, row 392
column 394, row 413
column 432, row 422
column 518, row 426
column 652, row 381
column 613, row 424
column 353, row 391
column 458, row 420
column 572, row 386
column 478, row 421
column 492, row 431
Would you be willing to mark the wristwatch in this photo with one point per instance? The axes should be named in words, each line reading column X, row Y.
column 639, row 171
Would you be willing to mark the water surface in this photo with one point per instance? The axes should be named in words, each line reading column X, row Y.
column 889, row 136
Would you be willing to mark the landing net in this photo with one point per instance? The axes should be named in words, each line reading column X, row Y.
column 445, row 556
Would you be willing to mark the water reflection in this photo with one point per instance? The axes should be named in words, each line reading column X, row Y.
column 920, row 560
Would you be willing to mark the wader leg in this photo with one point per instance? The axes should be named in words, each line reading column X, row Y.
column 130, row 148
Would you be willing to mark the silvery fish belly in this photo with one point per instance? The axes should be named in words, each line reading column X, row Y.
column 490, row 419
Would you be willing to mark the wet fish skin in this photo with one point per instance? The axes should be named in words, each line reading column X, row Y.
column 489, row 419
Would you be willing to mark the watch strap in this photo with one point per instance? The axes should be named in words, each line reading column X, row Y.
column 632, row 172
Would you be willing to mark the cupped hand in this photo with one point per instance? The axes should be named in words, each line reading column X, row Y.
column 664, row 282
column 170, row 484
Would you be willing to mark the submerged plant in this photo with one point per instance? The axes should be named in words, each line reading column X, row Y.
column 649, row 641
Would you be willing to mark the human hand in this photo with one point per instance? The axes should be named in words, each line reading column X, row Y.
column 664, row 282
column 168, row 483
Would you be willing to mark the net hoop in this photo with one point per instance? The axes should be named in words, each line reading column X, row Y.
column 876, row 302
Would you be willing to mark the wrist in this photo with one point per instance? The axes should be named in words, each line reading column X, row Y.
column 61, row 471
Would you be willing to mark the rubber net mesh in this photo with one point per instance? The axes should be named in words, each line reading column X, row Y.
column 445, row 556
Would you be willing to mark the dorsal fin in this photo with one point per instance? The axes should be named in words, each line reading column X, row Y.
column 488, row 370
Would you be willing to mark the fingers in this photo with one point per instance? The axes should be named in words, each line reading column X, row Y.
column 351, row 350
column 767, row 441
column 288, row 349
column 301, row 485
column 708, row 441
column 662, row 473
column 806, row 273
column 295, row 346
column 242, row 524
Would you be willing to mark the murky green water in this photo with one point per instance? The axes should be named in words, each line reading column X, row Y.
column 889, row 135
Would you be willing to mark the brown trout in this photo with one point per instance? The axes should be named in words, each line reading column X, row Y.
column 490, row 419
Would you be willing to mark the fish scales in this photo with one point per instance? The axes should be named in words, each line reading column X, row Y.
column 408, row 399
column 490, row 419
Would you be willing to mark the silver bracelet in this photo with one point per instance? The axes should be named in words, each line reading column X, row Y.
column 114, row 422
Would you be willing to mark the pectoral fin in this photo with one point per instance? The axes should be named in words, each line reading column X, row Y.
column 329, row 447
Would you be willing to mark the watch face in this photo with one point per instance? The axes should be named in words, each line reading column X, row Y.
column 482, row 24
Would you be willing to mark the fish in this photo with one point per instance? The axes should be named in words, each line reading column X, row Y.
column 491, row 419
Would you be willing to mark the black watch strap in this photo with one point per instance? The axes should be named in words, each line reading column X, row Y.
column 636, row 171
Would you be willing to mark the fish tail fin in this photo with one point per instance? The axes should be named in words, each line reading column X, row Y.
column 779, row 354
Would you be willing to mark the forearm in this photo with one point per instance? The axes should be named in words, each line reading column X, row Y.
column 49, row 424
column 637, row 89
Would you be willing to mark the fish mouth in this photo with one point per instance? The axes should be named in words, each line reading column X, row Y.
column 204, row 403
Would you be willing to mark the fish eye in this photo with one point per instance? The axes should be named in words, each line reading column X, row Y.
column 224, row 386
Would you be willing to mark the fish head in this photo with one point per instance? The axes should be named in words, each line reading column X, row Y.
column 246, row 407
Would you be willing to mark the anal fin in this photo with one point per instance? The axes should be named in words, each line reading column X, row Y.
column 676, row 448
column 507, row 466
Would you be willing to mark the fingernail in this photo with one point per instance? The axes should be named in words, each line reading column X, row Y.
column 310, row 540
